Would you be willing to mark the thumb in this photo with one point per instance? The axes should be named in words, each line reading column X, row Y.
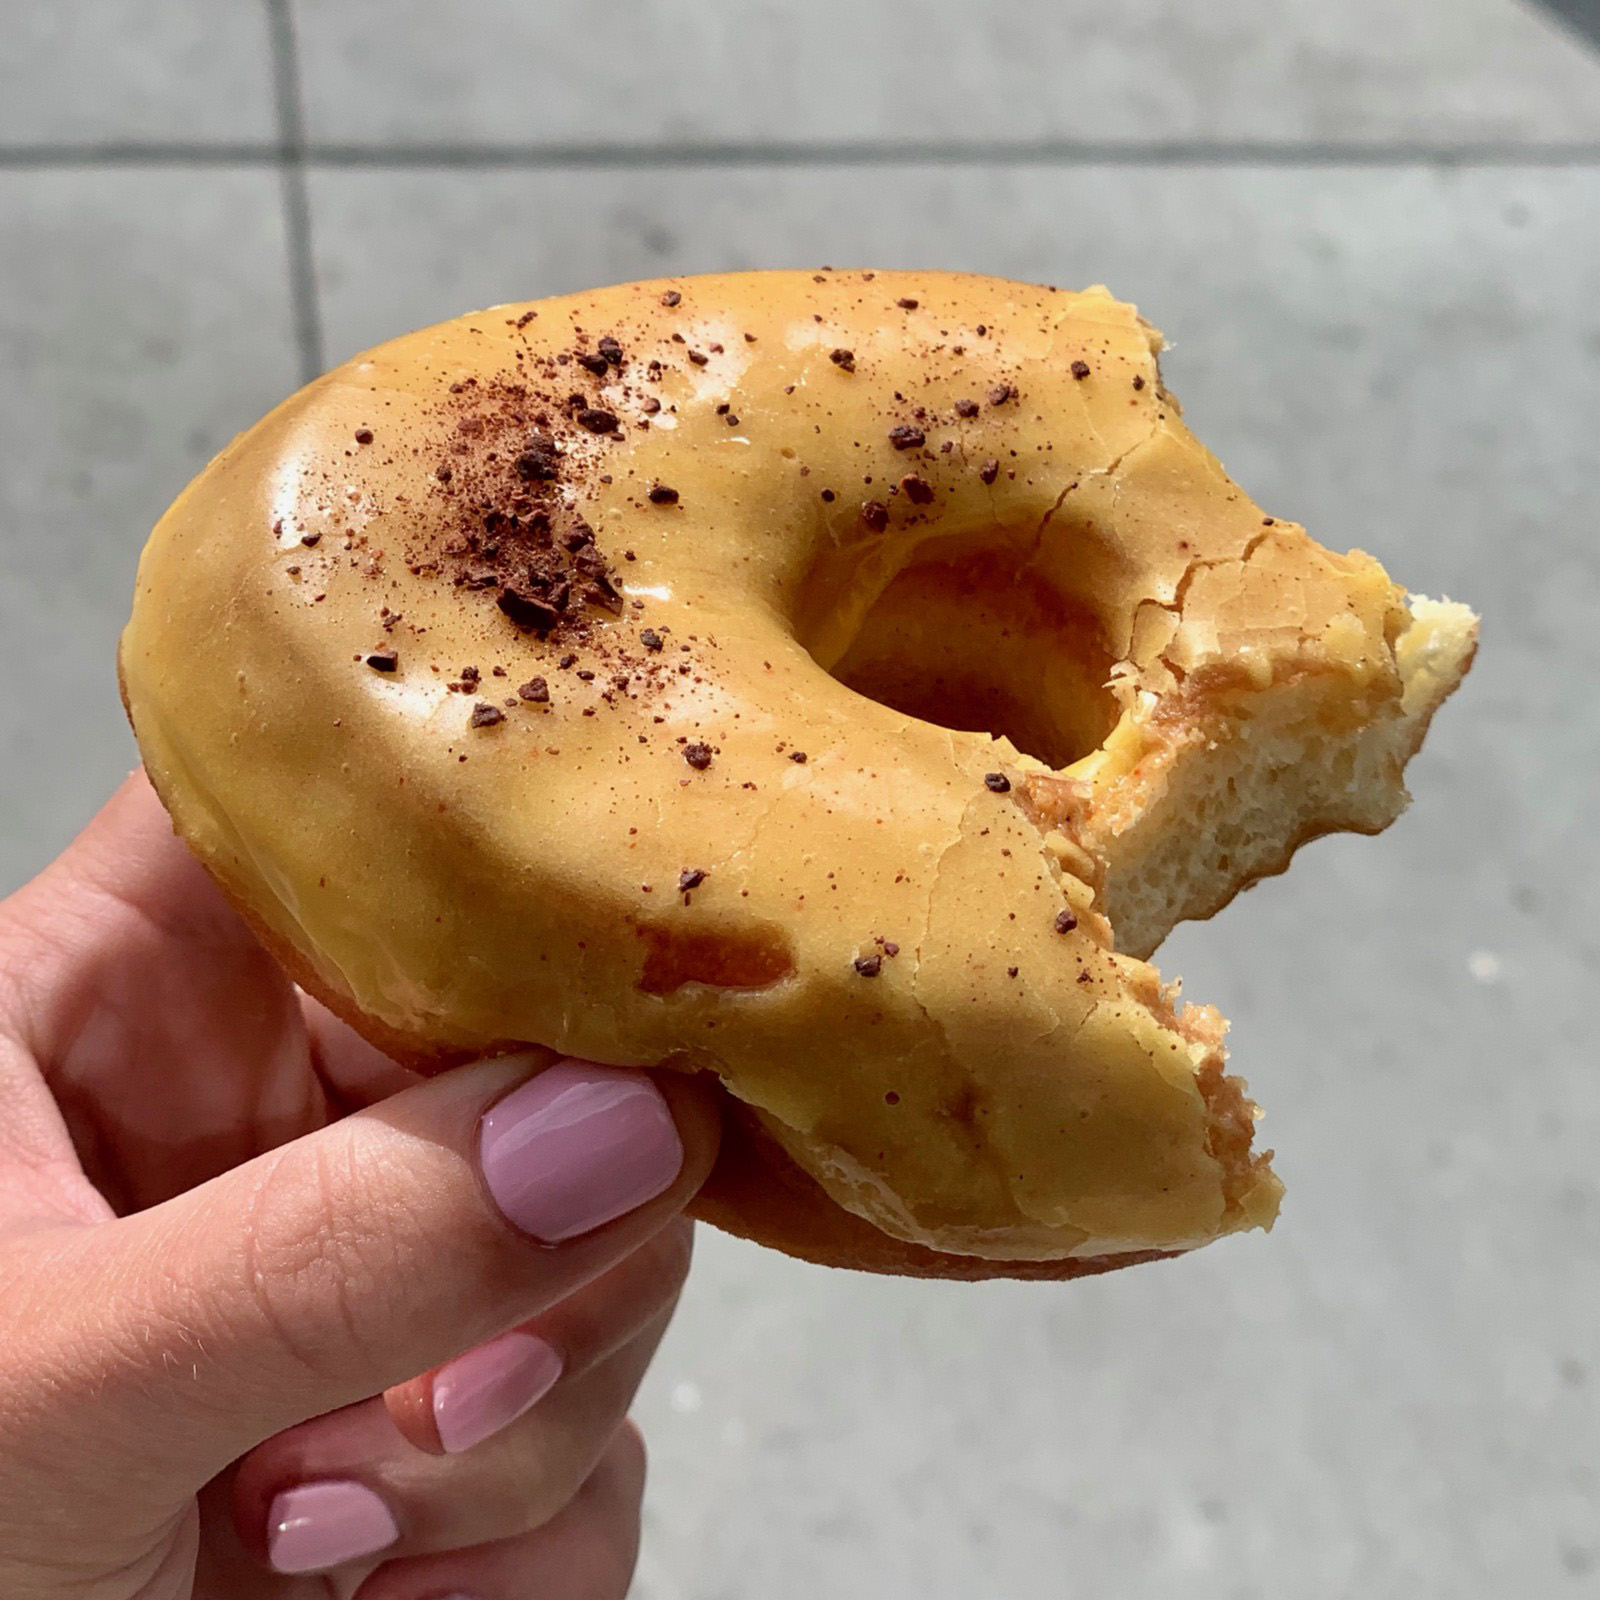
column 363, row 1254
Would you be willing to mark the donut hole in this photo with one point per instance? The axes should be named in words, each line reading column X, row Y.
column 972, row 641
column 675, row 958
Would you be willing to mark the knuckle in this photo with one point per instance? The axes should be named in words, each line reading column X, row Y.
column 582, row 1468
column 611, row 1505
column 638, row 1292
column 675, row 1255
column 629, row 1461
column 318, row 1277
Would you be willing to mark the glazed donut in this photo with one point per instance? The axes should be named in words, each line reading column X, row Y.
column 834, row 682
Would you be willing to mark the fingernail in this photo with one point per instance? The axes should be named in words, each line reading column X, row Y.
column 487, row 1389
column 577, row 1147
column 315, row 1526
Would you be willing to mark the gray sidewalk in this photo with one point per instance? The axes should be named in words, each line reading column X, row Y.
column 1372, row 233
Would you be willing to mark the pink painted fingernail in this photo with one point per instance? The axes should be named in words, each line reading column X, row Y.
column 315, row 1526
column 487, row 1389
column 576, row 1147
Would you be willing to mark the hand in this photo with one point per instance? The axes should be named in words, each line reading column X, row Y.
column 231, row 1236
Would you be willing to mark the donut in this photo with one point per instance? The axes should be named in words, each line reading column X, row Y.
column 833, row 683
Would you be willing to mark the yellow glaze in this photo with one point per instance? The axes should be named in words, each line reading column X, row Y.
column 1065, row 556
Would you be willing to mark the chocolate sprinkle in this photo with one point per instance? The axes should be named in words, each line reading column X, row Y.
column 907, row 304
column 611, row 350
column 384, row 660
column 363, row 435
column 1138, row 380
column 905, row 437
column 485, row 715
column 990, row 470
column 310, row 540
column 798, row 757
column 1080, row 370
column 650, row 639
column 690, row 878
column 966, row 408
column 869, row 966
column 997, row 783
column 917, row 490
column 1065, row 922
column 597, row 421
column 671, row 298
column 661, row 495
column 876, row 515
column 535, row 690
column 843, row 358
column 698, row 755
column 1000, row 394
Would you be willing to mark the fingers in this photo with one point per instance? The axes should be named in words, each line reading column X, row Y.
column 170, row 1040
column 348, row 1488
column 476, row 1394
column 353, row 1073
column 588, row 1552
column 340, row 1265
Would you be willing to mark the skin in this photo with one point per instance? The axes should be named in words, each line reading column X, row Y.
column 174, row 1109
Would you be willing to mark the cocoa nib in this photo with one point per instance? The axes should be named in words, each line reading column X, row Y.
column 540, row 460
column 528, row 611
column 905, row 437
column 698, row 755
